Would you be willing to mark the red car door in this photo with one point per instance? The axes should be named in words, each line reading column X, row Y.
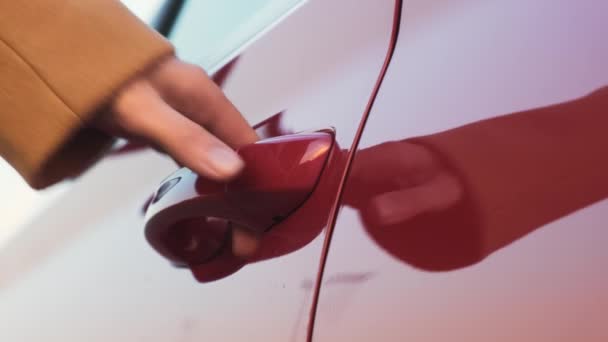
column 82, row 271
column 474, row 209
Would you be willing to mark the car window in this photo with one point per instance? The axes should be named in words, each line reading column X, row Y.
column 147, row 10
column 210, row 32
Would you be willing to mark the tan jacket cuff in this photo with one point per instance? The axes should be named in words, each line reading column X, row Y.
column 60, row 61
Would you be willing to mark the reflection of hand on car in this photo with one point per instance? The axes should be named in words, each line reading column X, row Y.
column 413, row 205
column 449, row 199
column 402, row 180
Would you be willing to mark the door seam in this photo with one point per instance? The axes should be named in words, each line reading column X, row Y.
column 396, row 26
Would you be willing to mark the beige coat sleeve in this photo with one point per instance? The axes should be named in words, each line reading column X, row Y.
column 60, row 61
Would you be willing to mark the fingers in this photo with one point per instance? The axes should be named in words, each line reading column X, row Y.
column 142, row 112
column 178, row 109
column 190, row 91
column 442, row 192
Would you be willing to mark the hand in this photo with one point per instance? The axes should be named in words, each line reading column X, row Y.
column 177, row 108
column 398, row 181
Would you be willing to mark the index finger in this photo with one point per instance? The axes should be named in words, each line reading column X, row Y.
column 190, row 91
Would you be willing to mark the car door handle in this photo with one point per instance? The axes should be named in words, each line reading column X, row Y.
column 189, row 218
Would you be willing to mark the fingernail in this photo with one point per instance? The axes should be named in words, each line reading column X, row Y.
column 225, row 161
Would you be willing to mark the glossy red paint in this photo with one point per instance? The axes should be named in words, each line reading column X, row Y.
column 190, row 217
column 476, row 198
